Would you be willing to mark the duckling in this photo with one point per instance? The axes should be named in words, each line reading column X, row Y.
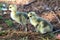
column 42, row 26
column 19, row 17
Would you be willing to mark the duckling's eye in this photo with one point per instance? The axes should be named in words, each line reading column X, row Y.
column 10, row 7
column 30, row 16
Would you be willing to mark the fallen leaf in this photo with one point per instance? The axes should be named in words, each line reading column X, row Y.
column 58, row 36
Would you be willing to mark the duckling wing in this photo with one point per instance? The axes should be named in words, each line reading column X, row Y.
column 23, row 17
column 22, row 13
column 39, row 19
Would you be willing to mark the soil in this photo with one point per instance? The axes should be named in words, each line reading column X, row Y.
column 53, row 16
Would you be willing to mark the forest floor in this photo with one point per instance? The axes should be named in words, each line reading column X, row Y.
column 9, row 30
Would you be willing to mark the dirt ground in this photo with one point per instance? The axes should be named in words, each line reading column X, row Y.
column 52, row 15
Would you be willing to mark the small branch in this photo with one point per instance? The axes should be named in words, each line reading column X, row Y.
column 18, row 33
column 30, row 3
column 56, row 17
column 56, row 31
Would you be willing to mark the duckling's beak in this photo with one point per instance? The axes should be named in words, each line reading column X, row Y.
column 8, row 9
column 27, row 17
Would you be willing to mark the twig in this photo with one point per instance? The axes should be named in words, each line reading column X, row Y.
column 56, row 16
column 56, row 31
column 30, row 3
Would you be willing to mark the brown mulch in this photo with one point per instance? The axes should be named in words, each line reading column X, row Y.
column 51, row 16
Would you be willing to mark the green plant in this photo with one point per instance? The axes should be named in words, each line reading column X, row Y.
column 0, row 25
column 1, row 6
column 3, row 33
column 1, row 17
column 9, row 22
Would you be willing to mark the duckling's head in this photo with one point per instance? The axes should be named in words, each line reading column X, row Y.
column 12, row 7
column 30, row 14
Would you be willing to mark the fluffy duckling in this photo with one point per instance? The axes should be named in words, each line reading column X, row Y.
column 42, row 26
column 19, row 17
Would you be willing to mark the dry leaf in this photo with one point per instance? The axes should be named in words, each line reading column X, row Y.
column 58, row 36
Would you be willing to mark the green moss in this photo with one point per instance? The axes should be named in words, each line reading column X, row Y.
column 1, row 17
column 1, row 6
column 3, row 33
column 0, row 25
column 9, row 22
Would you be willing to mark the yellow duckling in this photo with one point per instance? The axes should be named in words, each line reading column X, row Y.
column 42, row 26
column 19, row 17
